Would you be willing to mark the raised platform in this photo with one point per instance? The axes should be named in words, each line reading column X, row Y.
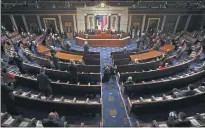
column 103, row 42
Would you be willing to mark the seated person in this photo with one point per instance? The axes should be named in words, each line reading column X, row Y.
column 190, row 91
column 81, row 62
column 129, row 81
column 181, row 121
column 171, row 118
column 166, row 65
column 53, row 120
column 7, row 77
column 162, row 66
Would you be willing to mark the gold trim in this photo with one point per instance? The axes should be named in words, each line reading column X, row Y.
column 44, row 21
column 153, row 19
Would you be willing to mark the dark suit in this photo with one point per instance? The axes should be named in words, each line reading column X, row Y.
column 86, row 48
column 44, row 83
column 177, row 123
column 8, row 98
column 73, row 69
column 55, row 62
column 19, row 63
column 52, row 123
column 128, row 83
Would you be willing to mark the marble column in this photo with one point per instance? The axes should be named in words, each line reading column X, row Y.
column 75, row 24
column 39, row 22
column 187, row 22
column 163, row 22
column 13, row 22
column 25, row 23
column 129, row 23
column 109, row 21
column 85, row 18
column 119, row 18
column 143, row 23
column 60, row 22
column 176, row 25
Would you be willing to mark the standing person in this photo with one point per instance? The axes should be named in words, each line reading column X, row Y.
column 19, row 62
column 35, row 47
column 113, row 71
column 106, row 76
column 73, row 69
column 55, row 61
column 44, row 82
column 53, row 50
column 7, row 87
column 8, row 98
column 86, row 47
column 68, row 46
column 7, row 77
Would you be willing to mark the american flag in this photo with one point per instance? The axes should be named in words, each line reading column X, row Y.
column 102, row 22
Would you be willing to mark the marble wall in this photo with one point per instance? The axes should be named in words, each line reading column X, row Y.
column 81, row 12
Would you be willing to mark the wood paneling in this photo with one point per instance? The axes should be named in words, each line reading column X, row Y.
column 136, row 20
column 154, row 16
column 67, row 21
column 50, row 16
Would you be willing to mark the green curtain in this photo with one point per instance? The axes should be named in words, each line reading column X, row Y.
column 96, row 21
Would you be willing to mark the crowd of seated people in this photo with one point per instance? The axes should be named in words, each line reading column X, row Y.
column 179, row 120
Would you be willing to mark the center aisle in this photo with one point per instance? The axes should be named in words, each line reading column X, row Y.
column 114, row 110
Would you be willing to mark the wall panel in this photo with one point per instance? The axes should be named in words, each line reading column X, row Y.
column 50, row 16
column 19, row 22
column 154, row 16
column 136, row 19
column 32, row 22
column 170, row 23
column 67, row 19
column 195, row 22
column 6, row 22
column 182, row 23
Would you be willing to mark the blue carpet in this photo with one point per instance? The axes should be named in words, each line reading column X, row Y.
column 114, row 110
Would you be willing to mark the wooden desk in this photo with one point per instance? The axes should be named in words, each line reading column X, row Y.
column 103, row 42
column 146, row 55
column 152, row 54
column 60, row 55
column 167, row 48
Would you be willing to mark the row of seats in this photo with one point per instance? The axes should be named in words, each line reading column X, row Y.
column 8, row 120
column 146, row 56
column 63, row 65
column 151, row 74
column 84, row 78
column 165, row 102
column 197, row 120
column 35, row 100
column 139, row 66
column 58, row 86
column 164, row 84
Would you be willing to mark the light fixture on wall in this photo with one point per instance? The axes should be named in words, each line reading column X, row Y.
column 102, row 5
